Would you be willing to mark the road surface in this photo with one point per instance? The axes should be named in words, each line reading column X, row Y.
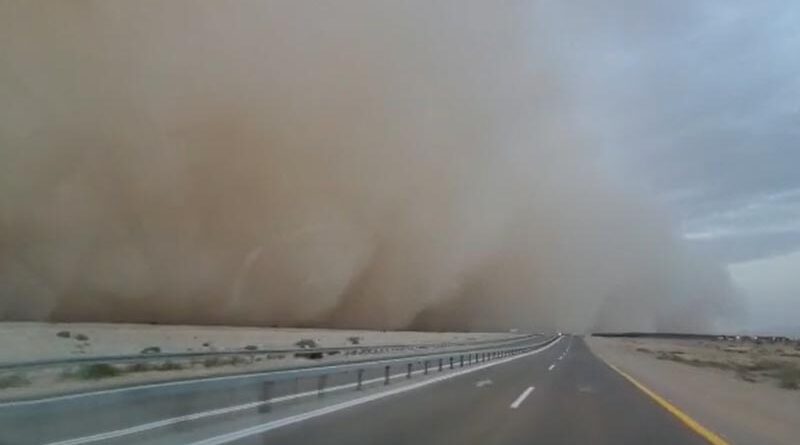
column 557, row 394
column 579, row 401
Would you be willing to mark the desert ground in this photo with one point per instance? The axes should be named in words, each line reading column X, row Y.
column 38, row 341
column 30, row 342
column 745, row 391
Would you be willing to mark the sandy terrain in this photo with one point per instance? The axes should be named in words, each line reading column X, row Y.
column 23, row 342
column 37, row 341
column 728, row 387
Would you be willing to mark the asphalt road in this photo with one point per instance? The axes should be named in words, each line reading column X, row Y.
column 577, row 401
column 558, row 394
column 139, row 413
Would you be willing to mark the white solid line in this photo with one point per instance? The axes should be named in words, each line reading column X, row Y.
column 551, row 367
column 216, row 412
column 258, row 429
column 522, row 398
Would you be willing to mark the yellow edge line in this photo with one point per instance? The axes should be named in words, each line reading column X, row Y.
column 707, row 434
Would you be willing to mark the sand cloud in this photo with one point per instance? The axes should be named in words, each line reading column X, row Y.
column 379, row 164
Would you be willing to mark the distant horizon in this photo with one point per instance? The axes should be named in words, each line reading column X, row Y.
column 790, row 332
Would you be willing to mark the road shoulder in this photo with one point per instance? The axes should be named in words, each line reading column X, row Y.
column 740, row 412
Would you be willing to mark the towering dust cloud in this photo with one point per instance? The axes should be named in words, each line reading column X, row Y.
column 350, row 164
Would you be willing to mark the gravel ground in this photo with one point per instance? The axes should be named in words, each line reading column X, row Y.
column 744, row 410
column 37, row 341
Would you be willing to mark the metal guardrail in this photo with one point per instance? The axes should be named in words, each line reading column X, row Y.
column 172, row 402
column 439, row 361
column 299, row 352
column 424, row 364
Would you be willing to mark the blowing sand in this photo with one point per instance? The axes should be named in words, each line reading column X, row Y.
column 746, row 409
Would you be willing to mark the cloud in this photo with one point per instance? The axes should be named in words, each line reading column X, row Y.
column 701, row 100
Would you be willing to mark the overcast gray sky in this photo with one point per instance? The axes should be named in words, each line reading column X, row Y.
column 702, row 99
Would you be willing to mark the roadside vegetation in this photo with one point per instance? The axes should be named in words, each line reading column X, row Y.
column 306, row 343
column 93, row 372
column 98, row 371
column 751, row 364
column 13, row 381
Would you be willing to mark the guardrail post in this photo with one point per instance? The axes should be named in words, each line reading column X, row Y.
column 322, row 381
column 408, row 373
column 386, row 375
column 451, row 362
column 426, row 367
column 266, row 396
column 440, row 365
column 462, row 360
column 360, row 374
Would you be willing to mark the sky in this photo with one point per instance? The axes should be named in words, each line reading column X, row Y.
column 708, row 96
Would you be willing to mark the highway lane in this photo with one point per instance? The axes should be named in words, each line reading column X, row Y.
column 213, row 427
column 161, row 409
column 558, row 394
column 573, row 400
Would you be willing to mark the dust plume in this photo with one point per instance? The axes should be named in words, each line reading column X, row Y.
column 361, row 164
